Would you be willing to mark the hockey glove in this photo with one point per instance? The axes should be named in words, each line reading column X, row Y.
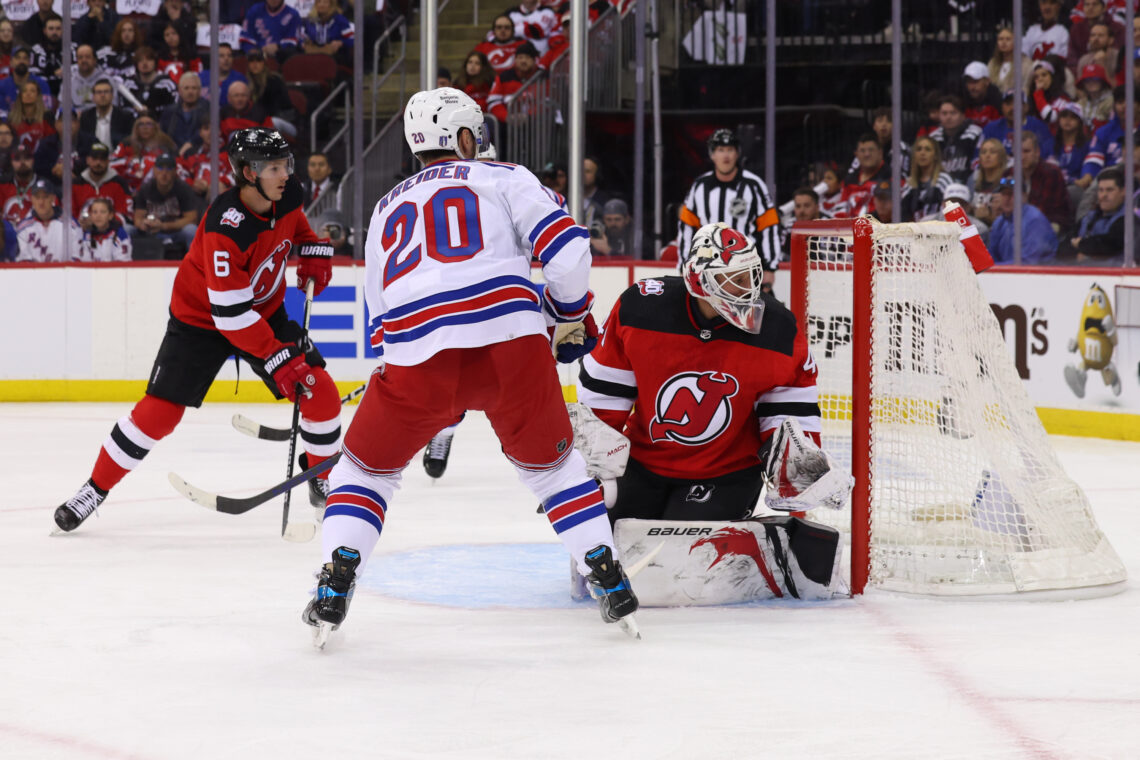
column 316, row 264
column 289, row 370
column 800, row 475
column 573, row 340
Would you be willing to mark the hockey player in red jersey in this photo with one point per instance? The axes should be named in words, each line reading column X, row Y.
column 228, row 299
column 461, row 326
column 715, row 388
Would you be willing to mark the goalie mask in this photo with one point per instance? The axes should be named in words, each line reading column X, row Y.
column 725, row 270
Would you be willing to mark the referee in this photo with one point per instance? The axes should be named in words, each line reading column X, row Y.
column 734, row 196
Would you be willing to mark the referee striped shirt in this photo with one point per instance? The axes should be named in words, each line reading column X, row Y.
column 742, row 203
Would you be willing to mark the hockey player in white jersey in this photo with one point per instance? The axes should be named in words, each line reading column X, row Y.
column 460, row 326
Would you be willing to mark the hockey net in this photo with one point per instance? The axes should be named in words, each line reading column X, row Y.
column 957, row 488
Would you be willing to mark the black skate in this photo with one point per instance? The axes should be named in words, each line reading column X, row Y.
column 436, row 453
column 318, row 489
column 71, row 514
column 329, row 605
column 610, row 586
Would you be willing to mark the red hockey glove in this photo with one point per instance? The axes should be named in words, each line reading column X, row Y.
column 573, row 340
column 534, row 31
column 289, row 370
column 316, row 264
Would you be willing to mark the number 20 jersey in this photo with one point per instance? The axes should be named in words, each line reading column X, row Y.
column 704, row 395
column 448, row 260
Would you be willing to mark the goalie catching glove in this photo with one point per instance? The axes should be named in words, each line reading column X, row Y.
column 800, row 475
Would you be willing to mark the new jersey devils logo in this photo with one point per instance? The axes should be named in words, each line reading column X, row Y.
column 692, row 408
column 269, row 275
column 651, row 287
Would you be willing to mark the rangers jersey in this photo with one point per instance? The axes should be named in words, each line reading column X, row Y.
column 234, row 274
column 448, row 260
column 704, row 395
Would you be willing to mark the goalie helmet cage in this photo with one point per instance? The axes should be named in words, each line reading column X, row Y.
column 957, row 489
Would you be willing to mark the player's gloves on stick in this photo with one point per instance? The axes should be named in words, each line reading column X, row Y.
column 571, row 341
column 316, row 265
column 800, row 475
column 288, row 368
column 605, row 450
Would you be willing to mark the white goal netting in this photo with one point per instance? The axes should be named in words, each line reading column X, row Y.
column 966, row 495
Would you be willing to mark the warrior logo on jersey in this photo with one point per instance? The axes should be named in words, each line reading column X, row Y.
column 269, row 275
column 651, row 287
column 693, row 408
column 232, row 217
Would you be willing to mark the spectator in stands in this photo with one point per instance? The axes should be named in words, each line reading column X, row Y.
column 96, row 27
column 932, row 108
column 227, row 75
column 613, row 236
column 47, row 54
column 16, row 193
column 166, row 211
column 174, row 13
column 1047, row 94
column 10, row 250
column 443, row 77
column 99, row 180
column 1081, row 34
column 501, row 44
column 150, row 87
column 553, row 175
column 273, row 27
column 1100, row 236
column 332, row 225
column 961, row 195
column 924, row 188
column 267, row 88
column 7, row 144
column 884, row 204
column 196, row 164
column 593, row 198
column 1048, row 36
column 882, row 124
column 1072, row 143
column 40, row 235
column 476, row 78
column 105, row 121
column 181, row 121
column 7, row 46
column 84, row 74
column 805, row 208
column 1095, row 96
column 104, row 237
column 1003, row 128
column 327, row 31
column 21, row 74
column 1108, row 141
column 242, row 112
column 177, row 54
column 541, row 27
column 993, row 162
column 320, row 177
column 510, row 82
column 831, row 194
column 1100, row 50
column 235, row 11
column 1046, row 184
column 29, row 118
column 859, row 183
column 134, row 158
column 119, row 58
column 1001, row 62
column 1038, row 242
column 50, row 157
column 981, row 100
column 32, row 30
column 956, row 138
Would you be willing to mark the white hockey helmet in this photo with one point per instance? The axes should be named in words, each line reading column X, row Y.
column 433, row 118
column 724, row 269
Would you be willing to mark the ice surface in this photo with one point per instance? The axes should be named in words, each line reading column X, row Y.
column 163, row 630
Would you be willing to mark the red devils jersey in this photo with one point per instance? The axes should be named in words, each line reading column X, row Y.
column 704, row 395
column 234, row 274
column 501, row 55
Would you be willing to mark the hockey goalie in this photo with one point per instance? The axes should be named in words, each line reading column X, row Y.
column 700, row 395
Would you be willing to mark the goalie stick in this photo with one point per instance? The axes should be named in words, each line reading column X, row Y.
column 237, row 506
column 254, row 429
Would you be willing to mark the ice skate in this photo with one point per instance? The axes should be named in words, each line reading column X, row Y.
column 436, row 453
column 318, row 490
column 71, row 514
column 1076, row 380
column 329, row 605
column 610, row 586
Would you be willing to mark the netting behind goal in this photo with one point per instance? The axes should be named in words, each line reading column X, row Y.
column 957, row 489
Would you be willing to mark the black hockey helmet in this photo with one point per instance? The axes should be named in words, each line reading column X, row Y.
column 723, row 137
column 252, row 147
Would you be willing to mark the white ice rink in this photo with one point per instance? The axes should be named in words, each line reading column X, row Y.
column 161, row 630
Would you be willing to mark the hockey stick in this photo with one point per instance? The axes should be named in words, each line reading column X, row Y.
column 253, row 429
column 233, row 506
column 297, row 531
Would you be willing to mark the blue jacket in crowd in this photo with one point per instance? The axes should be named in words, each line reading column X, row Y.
column 1038, row 243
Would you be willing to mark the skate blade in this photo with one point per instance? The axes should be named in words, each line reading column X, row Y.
column 629, row 625
column 321, row 635
column 299, row 532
